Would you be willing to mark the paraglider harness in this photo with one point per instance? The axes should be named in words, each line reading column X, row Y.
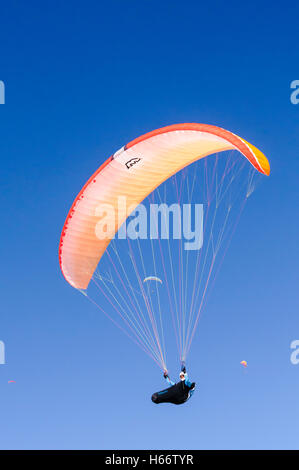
column 177, row 394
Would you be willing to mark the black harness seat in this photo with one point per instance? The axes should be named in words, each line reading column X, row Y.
column 176, row 394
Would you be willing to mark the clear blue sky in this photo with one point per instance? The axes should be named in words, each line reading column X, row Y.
column 82, row 79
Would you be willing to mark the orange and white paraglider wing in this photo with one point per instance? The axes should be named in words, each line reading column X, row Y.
column 131, row 174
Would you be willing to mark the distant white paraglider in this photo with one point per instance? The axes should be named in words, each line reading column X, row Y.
column 152, row 278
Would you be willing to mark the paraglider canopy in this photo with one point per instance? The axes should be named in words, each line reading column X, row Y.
column 153, row 278
column 133, row 172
